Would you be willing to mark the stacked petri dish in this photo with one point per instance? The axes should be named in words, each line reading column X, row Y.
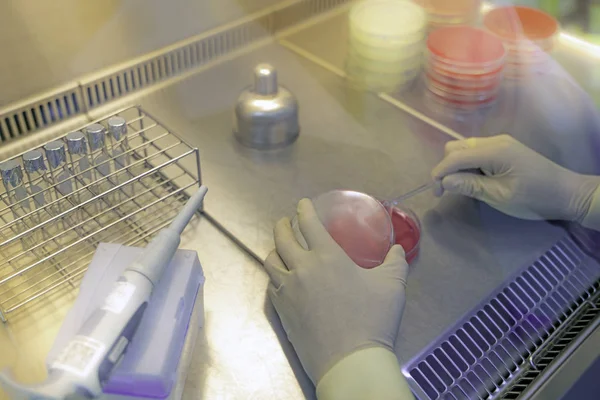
column 464, row 67
column 386, row 40
column 442, row 13
column 529, row 35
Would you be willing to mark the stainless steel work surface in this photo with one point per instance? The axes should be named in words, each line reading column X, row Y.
column 237, row 354
column 355, row 141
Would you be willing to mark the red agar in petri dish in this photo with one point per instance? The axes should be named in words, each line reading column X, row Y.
column 466, row 46
column 408, row 233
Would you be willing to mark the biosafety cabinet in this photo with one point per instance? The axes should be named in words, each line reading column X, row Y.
column 497, row 308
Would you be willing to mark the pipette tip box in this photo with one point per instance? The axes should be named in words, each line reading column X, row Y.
column 156, row 364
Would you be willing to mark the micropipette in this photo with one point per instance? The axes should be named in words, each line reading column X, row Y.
column 87, row 361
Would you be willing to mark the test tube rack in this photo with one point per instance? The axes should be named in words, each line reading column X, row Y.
column 46, row 247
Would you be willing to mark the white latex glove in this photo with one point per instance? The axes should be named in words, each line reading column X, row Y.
column 329, row 307
column 518, row 181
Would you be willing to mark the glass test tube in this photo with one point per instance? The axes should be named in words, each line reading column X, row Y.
column 61, row 178
column 117, row 127
column 80, row 166
column 16, row 194
column 35, row 168
column 96, row 135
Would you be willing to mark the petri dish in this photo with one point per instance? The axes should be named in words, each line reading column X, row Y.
column 435, row 24
column 379, row 81
column 386, row 19
column 450, row 8
column 359, row 223
column 445, row 104
column 407, row 231
column 465, row 46
column 463, row 83
column 389, row 53
column 514, row 23
column 455, row 97
column 386, row 67
column 438, row 22
column 473, row 76
column 460, row 90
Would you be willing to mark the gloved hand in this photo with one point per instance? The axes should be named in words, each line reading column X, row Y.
column 330, row 307
column 516, row 180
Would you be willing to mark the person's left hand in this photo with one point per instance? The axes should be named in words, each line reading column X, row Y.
column 329, row 306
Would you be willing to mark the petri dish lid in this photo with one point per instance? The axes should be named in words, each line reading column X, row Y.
column 450, row 8
column 529, row 47
column 457, row 97
column 355, row 60
column 384, row 54
column 358, row 223
column 466, row 46
column 455, row 71
column 458, row 104
column 387, row 18
column 518, row 22
column 437, row 22
column 461, row 87
column 456, row 78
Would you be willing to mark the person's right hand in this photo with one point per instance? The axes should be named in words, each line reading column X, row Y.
column 516, row 180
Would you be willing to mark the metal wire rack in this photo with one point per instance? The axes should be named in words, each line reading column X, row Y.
column 52, row 219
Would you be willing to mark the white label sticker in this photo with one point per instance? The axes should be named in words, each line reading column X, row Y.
column 119, row 297
column 80, row 355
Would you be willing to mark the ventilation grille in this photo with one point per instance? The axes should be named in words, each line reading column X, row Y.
column 174, row 62
column 586, row 318
column 38, row 114
column 303, row 10
column 24, row 119
column 490, row 349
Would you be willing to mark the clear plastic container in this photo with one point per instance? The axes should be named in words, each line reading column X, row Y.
column 359, row 223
